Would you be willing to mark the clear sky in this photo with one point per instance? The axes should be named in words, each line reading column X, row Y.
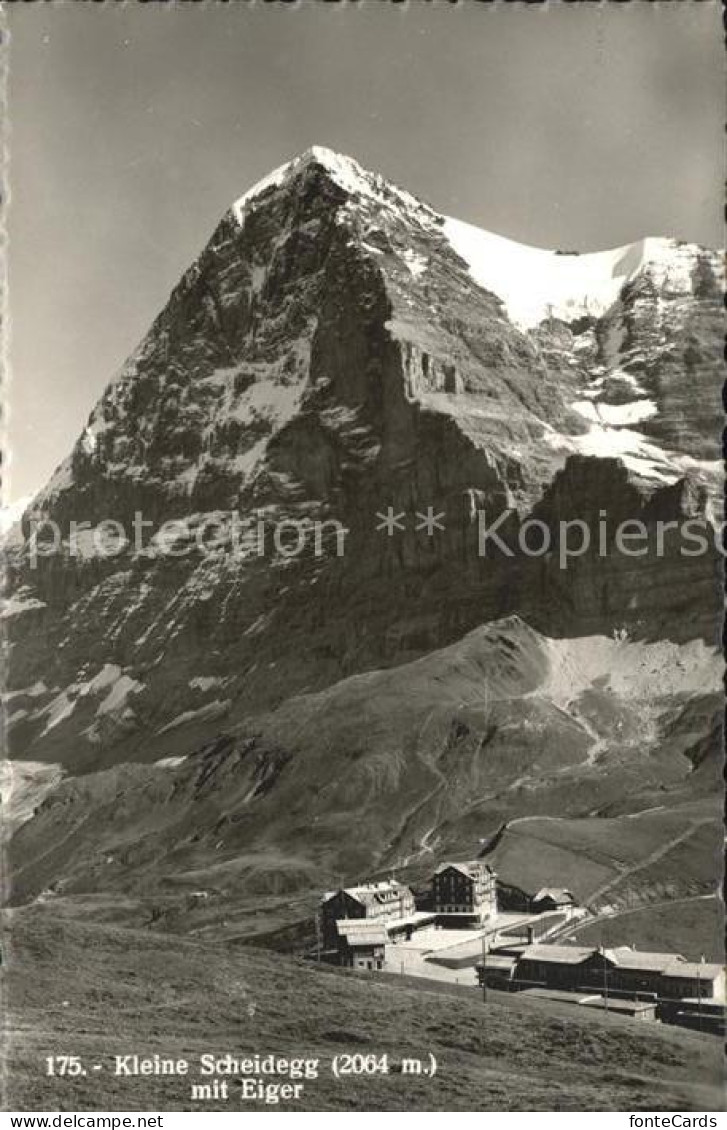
column 134, row 126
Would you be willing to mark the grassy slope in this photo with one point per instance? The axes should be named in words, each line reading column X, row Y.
column 692, row 927
column 655, row 854
column 98, row 991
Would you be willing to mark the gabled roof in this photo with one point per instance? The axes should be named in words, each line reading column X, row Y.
column 627, row 958
column 378, row 892
column 370, row 893
column 563, row 955
column 362, row 895
column 470, row 868
column 624, row 957
column 702, row 969
column 361, row 932
column 557, row 894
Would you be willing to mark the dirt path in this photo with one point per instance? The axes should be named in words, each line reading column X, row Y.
column 653, row 857
column 436, row 793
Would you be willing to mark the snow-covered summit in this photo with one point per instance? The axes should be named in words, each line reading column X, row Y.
column 345, row 171
column 533, row 282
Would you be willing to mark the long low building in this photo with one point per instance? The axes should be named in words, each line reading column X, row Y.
column 619, row 970
column 694, row 979
column 637, row 1010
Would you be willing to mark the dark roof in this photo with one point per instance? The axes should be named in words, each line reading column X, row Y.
column 557, row 894
column 562, row 955
column 369, row 894
column 469, row 867
column 623, row 957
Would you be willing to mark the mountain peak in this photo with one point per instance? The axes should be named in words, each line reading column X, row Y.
column 532, row 282
column 344, row 170
column 337, row 350
column 337, row 164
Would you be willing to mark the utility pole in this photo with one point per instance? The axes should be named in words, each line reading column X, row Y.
column 605, row 984
column 484, row 967
column 602, row 952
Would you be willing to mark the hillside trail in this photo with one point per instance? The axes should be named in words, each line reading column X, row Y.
column 624, row 874
column 443, row 787
column 598, row 745
column 557, row 689
column 653, row 857
column 434, row 795
column 609, row 916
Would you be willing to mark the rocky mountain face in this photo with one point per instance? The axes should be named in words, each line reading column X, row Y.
column 339, row 349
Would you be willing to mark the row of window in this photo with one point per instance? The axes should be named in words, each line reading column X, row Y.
column 466, row 886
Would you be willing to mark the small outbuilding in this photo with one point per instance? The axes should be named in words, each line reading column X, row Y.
column 635, row 1009
column 553, row 898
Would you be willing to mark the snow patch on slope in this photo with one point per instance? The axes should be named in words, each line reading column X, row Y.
column 417, row 264
column 18, row 605
column 535, row 283
column 110, row 681
column 23, row 785
column 616, row 415
column 277, row 403
column 12, row 513
column 207, row 713
column 631, row 447
column 122, row 687
column 651, row 463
